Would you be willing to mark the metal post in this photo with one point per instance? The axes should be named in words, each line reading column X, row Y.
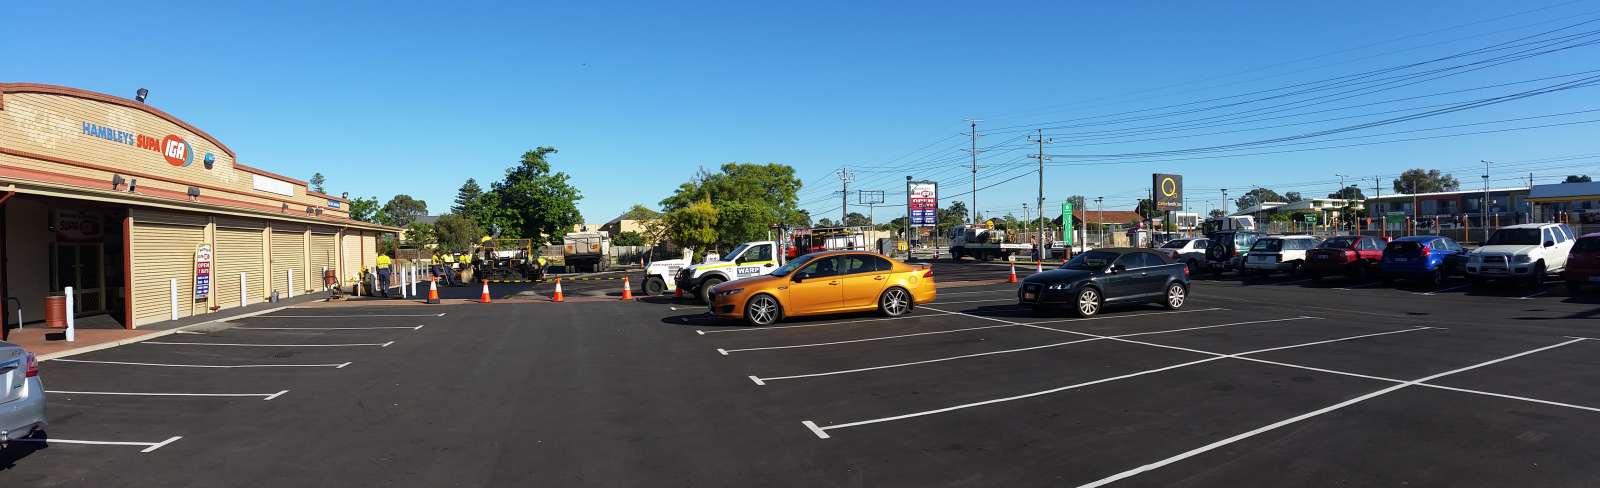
column 290, row 291
column 173, row 288
column 908, row 217
column 72, row 323
column 244, row 289
column 1485, row 200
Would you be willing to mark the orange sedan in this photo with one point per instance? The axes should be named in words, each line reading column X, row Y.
column 826, row 282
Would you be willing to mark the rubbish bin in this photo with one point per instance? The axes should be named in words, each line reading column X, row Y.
column 55, row 311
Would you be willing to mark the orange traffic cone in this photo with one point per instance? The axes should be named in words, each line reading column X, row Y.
column 627, row 290
column 1038, row 265
column 557, row 297
column 1013, row 278
column 433, row 291
column 484, row 298
column 677, row 293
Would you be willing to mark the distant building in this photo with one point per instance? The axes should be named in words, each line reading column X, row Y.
column 1451, row 209
column 1577, row 203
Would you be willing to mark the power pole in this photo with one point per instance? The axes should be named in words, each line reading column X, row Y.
column 844, row 193
column 1485, row 199
column 972, row 213
column 1042, row 157
column 1100, row 206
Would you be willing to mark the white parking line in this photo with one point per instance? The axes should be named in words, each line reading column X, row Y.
column 725, row 352
column 1442, row 290
column 328, row 328
column 440, row 314
column 1208, row 447
column 763, row 381
column 265, row 396
column 1530, row 297
column 936, row 302
column 125, row 363
column 775, row 327
column 1007, row 290
column 1214, row 357
column 386, row 344
column 148, row 446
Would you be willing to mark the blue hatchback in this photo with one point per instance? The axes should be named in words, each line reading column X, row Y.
column 1426, row 258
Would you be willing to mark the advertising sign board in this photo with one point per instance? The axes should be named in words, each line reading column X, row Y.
column 922, row 200
column 202, row 272
column 1168, row 191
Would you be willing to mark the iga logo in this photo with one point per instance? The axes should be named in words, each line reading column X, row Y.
column 177, row 151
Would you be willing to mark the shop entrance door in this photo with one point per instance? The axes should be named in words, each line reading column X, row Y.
column 79, row 266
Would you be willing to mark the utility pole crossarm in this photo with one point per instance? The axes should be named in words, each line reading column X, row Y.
column 1042, row 157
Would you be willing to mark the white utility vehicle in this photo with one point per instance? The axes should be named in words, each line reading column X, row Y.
column 1525, row 251
column 753, row 258
column 1279, row 253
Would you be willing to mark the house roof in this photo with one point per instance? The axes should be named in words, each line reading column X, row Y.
column 1102, row 217
column 1565, row 191
column 1408, row 196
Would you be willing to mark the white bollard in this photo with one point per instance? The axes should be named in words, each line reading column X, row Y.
column 72, row 326
column 413, row 281
column 400, row 279
column 244, row 289
column 174, row 297
column 291, row 283
column 324, row 278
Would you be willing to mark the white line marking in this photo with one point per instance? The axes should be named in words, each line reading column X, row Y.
column 328, row 328
column 262, row 345
column 701, row 332
column 346, row 363
column 268, row 396
column 1577, row 337
column 189, row 332
column 221, row 366
column 348, row 316
column 275, row 395
column 755, row 379
column 759, row 381
column 758, row 329
column 936, row 302
column 1530, row 297
column 1214, row 357
column 1295, row 282
column 1007, row 290
column 1202, row 449
column 724, row 352
column 813, row 426
column 387, row 344
column 1442, row 290
column 1097, row 317
column 148, row 446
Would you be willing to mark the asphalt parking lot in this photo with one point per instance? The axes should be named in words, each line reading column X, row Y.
column 1256, row 382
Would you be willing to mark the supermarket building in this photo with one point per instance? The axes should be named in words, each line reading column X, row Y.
column 119, row 200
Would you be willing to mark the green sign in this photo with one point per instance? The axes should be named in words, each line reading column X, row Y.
column 1311, row 218
column 1395, row 218
column 1066, row 222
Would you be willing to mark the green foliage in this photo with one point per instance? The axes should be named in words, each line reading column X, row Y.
column 855, row 219
column 693, row 226
column 364, row 209
column 402, row 210
column 531, row 201
column 639, row 212
column 1218, row 213
column 896, row 225
column 456, row 233
column 467, row 198
column 419, row 235
column 1292, row 197
column 1351, row 192
column 629, row 238
column 1078, row 203
column 317, row 180
column 953, row 215
column 1577, row 179
column 1146, row 209
column 825, row 222
column 744, row 200
column 1418, row 180
column 1257, row 195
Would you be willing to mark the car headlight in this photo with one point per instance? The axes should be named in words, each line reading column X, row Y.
column 728, row 292
column 1060, row 286
column 1475, row 259
column 1524, row 259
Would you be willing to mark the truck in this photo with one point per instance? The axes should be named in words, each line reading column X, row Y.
column 748, row 259
column 586, row 251
column 506, row 260
column 806, row 240
column 983, row 243
column 660, row 277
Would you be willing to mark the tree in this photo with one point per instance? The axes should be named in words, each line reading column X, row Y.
column 402, row 210
column 1078, row 202
column 855, row 219
column 419, row 235
column 467, row 198
column 1257, row 195
column 693, row 226
column 1418, row 180
column 896, row 225
column 825, row 222
column 1146, row 209
column 1292, row 197
column 1217, row 213
column 534, row 202
column 1577, row 179
column 316, row 182
column 455, row 232
column 953, row 215
column 748, row 198
column 629, row 238
column 364, row 209
column 640, row 213
column 1351, row 192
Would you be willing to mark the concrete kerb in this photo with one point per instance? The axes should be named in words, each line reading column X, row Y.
column 153, row 335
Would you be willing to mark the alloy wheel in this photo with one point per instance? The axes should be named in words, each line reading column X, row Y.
column 763, row 310
column 1088, row 302
column 896, row 302
column 1175, row 296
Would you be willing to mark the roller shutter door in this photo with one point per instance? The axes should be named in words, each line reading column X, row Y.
column 350, row 255
column 369, row 245
column 163, row 249
column 239, row 250
column 324, row 255
column 288, row 252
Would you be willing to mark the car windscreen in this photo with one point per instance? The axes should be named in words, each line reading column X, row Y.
column 1177, row 244
column 792, row 265
column 1244, row 240
column 734, row 254
column 1267, row 245
column 1404, row 248
column 1514, row 237
column 1587, row 244
column 1092, row 260
column 1339, row 243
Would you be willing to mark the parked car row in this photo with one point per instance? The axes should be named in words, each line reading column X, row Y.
column 1526, row 252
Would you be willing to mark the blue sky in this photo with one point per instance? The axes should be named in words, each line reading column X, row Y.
column 411, row 97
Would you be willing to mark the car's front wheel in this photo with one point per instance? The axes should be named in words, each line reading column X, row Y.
column 706, row 286
column 654, row 285
column 1088, row 303
column 1536, row 278
column 895, row 302
column 762, row 310
column 1176, row 295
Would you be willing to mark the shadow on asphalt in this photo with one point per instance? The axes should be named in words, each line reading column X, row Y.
column 15, row 451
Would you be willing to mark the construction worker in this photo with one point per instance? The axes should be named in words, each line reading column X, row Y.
column 463, row 263
column 538, row 273
column 384, row 265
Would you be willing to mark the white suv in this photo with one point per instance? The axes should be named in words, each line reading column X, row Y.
column 1526, row 251
column 1281, row 253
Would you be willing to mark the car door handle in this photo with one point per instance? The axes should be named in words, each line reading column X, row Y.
column 833, row 282
column 880, row 277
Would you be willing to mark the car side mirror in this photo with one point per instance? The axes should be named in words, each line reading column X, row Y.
column 800, row 277
column 1118, row 268
column 1549, row 243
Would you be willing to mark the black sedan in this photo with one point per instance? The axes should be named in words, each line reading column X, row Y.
column 1102, row 277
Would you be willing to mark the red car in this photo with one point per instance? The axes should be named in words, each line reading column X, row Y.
column 1353, row 256
column 1583, row 263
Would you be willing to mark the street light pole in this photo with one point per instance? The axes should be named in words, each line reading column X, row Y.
column 1485, row 199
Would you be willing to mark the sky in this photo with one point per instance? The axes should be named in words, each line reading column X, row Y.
column 416, row 97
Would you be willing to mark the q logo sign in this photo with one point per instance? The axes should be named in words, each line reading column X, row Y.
column 177, row 151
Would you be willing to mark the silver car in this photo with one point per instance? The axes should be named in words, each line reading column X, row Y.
column 21, row 393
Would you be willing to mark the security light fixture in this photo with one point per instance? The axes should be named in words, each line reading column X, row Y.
column 117, row 180
column 142, row 94
column 285, row 207
column 133, row 185
column 194, row 193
